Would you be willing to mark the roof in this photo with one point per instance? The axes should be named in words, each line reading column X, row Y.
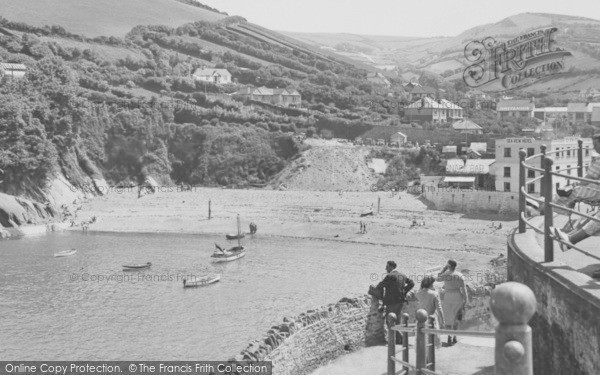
column 449, row 149
column 515, row 105
column 13, row 66
column 469, row 166
column 478, row 146
column 552, row 109
column 459, row 179
column 466, row 125
column 211, row 72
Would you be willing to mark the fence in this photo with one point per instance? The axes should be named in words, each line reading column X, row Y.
column 546, row 199
column 513, row 304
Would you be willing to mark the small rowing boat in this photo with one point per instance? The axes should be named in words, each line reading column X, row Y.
column 133, row 267
column 65, row 253
column 235, row 236
column 201, row 281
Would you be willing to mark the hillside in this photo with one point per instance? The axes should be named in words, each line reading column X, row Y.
column 104, row 17
column 445, row 55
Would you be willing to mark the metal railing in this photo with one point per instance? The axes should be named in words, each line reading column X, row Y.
column 546, row 196
column 513, row 304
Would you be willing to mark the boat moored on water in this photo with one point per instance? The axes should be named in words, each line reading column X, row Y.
column 65, row 253
column 235, row 236
column 228, row 255
column 133, row 267
column 201, row 281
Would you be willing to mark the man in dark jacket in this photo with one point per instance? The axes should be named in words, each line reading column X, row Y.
column 394, row 286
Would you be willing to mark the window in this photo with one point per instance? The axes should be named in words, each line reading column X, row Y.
column 507, row 186
column 579, row 116
column 531, row 188
column 558, row 185
column 568, row 152
column 568, row 169
column 507, row 152
column 530, row 151
column 587, row 151
column 506, row 171
column 530, row 174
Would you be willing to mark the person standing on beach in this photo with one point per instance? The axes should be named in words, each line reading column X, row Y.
column 455, row 296
column 394, row 288
column 361, row 227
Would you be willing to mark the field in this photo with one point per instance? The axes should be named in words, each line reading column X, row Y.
column 104, row 17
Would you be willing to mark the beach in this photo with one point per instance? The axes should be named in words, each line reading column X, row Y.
column 317, row 215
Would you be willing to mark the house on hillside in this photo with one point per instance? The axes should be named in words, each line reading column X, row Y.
column 216, row 76
column 580, row 113
column 550, row 113
column 434, row 112
column 12, row 70
column 399, row 138
column 590, row 93
column 596, row 116
column 282, row 97
column 449, row 151
column 466, row 126
column 515, row 108
column 378, row 79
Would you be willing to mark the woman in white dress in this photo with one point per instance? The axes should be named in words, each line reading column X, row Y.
column 455, row 296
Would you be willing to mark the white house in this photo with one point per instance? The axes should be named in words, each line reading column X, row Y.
column 401, row 138
column 216, row 76
column 12, row 70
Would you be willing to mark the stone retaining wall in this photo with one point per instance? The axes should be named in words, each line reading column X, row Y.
column 300, row 345
column 455, row 200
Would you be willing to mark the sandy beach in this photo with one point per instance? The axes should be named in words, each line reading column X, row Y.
column 329, row 216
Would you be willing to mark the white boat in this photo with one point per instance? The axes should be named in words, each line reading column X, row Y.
column 229, row 255
column 133, row 267
column 234, row 253
column 201, row 281
column 65, row 253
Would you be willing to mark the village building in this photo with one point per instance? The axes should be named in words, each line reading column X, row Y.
column 473, row 173
column 282, row 97
column 399, row 138
column 466, row 126
column 12, row 70
column 449, row 151
column 589, row 94
column 596, row 116
column 434, row 112
column 378, row 79
column 216, row 76
column 506, row 169
column 515, row 108
column 580, row 113
column 550, row 113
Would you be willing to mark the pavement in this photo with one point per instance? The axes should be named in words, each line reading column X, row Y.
column 470, row 356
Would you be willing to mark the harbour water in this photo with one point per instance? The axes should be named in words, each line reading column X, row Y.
column 84, row 307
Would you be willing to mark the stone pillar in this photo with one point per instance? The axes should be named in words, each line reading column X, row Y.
column 513, row 304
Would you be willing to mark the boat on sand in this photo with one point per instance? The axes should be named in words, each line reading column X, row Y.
column 65, row 253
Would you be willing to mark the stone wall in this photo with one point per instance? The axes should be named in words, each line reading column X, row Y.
column 300, row 345
column 566, row 325
column 467, row 201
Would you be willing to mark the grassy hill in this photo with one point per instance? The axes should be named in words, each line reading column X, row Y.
column 445, row 55
column 104, row 17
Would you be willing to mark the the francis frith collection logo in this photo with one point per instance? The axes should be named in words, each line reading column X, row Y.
column 515, row 63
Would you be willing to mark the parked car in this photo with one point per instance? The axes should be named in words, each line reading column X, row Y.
column 381, row 142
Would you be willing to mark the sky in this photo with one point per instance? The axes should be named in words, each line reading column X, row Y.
column 424, row 18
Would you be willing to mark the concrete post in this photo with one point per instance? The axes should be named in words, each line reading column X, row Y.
column 522, row 202
column 405, row 339
column 431, row 345
column 391, row 343
column 513, row 304
column 543, row 148
column 421, row 342
column 548, row 218
column 580, row 158
column 209, row 209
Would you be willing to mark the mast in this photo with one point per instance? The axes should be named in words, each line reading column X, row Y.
column 239, row 231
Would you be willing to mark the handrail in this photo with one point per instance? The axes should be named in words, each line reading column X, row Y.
column 513, row 304
column 547, row 189
column 437, row 331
